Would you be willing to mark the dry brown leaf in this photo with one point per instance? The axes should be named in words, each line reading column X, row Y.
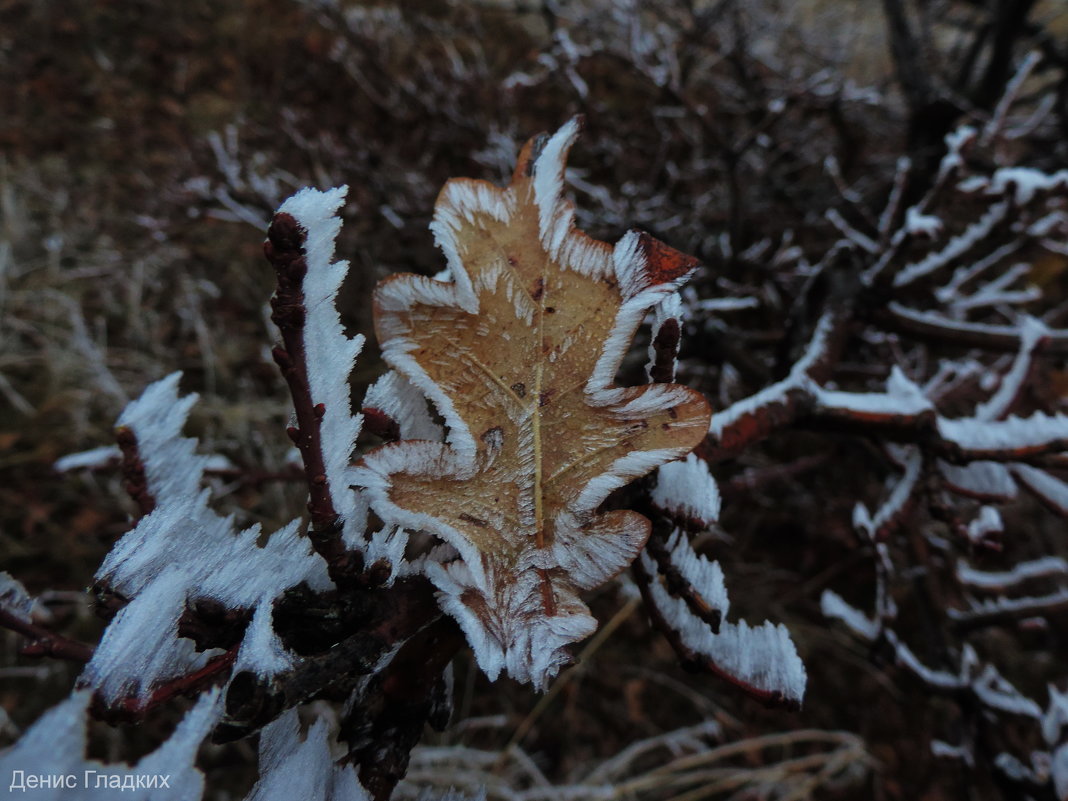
column 518, row 351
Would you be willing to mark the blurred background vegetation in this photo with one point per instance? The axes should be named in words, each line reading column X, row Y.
column 144, row 144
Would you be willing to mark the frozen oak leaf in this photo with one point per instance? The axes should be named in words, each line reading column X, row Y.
column 518, row 351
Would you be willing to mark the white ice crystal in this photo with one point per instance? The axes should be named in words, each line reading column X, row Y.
column 1013, row 433
column 687, row 489
column 94, row 457
column 1055, row 733
column 1025, row 183
column 181, row 551
column 919, row 224
column 704, row 576
column 763, row 657
column 1050, row 489
column 997, row 693
column 1032, row 332
column 998, row 580
column 261, row 651
column 331, row 356
column 902, row 397
column 980, row 479
column 900, row 495
column 291, row 768
column 833, row 606
column 670, row 308
column 14, row 598
column 397, row 397
column 780, row 390
column 140, row 647
column 956, row 247
column 56, row 746
column 987, row 523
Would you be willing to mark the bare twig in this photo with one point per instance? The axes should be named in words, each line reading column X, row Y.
column 284, row 249
column 43, row 642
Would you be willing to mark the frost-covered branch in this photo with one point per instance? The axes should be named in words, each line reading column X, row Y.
column 686, row 598
column 16, row 614
column 300, row 318
column 982, row 685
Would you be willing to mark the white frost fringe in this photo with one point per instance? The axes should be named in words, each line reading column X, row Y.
column 55, row 746
column 331, row 356
column 686, row 488
column 763, row 657
column 294, row 769
column 184, row 550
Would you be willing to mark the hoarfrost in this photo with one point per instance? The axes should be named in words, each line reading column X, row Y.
column 668, row 309
column 704, row 576
column 900, row 495
column 140, row 647
column 988, row 523
column 513, row 589
column 980, row 479
column 1032, row 332
column 997, row 693
column 763, row 657
column 919, row 224
column 777, row 392
column 56, row 745
column 686, row 489
column 1054, row 723
column 955, row 248
column 1024, row 182
column 944, row 750
column 1059, row 770
column 94, row 457
column 858, row 238
column 331, row 356
column 398, row 397
column 1012, row 607
column 388, row 545
column 902, row 397
column 512, row 634
column 1014, row 434
column 1024, row 571
column 261, row 651
column 956, row 142
column 290, row 768
column 14, row 598
column 906, row 658
column 180, row 551
column 1050, row 489
column 833, row 606
column 933, row 319
column 1055, row 720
